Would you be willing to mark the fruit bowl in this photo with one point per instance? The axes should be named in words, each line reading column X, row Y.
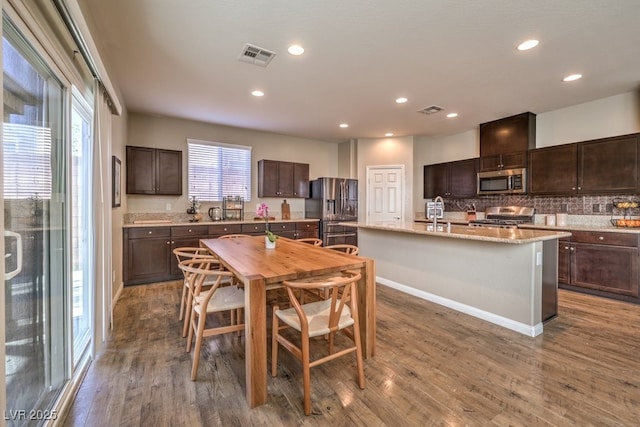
column 629, row 223
column 625, row 204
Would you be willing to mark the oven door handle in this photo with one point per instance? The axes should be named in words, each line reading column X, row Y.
column 341, row 235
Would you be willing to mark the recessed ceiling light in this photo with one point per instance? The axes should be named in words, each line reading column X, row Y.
column 344, row 125
column 452, row 115
column 529, row 44
column 388, row 134
column 295, row 49
column 257, row 93
column 572, row 77
column 401, row 100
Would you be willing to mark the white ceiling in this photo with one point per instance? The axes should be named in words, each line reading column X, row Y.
column 180, row 59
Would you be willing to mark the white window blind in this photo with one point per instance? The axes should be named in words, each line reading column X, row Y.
column 27, row 161
column 216, row 170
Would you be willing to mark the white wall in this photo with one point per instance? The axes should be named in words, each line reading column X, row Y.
column 172, row 133
column 386, row 151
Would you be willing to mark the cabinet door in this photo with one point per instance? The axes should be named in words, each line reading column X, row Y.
column 267, row 178
column 463, row 178
column 181, row 242
column 140, row 170
column 436, row 180
column 285, row 179
column 513, row 160
column 168, row 172
column 612, row 269
column 148, row 260
column 490, row 163
column 300, row 180
column 508, row 135
column 608, row 165
column 553, row 170
column 564, row 261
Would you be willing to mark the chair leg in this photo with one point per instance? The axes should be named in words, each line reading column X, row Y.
column 196, row 353
column 187, row 314
column 191, row 324
column 358, row 343
column 306, row 375
column 274, row 343
column 182, row 302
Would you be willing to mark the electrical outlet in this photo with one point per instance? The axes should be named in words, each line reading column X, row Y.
column 168, row 206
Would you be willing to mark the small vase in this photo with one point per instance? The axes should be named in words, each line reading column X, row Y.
column 268, row 243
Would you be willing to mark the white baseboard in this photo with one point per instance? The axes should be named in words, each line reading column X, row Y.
column 115, row 299
column 519, row 327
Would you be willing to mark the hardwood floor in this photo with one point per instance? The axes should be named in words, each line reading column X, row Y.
column 433, row 366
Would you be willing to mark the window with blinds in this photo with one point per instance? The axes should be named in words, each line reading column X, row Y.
column 216, row 170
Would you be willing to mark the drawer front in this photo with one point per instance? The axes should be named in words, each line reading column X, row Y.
column 282, row 226
column 306, row 226
column 196, row 230
column 146, row 232
column 617, row 239
column 219, row 230
column 258, row 227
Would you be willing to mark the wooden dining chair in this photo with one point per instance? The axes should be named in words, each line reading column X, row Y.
column 311, row 241
column 216, row 299
column 316, row 319
column 181, row 254
column 349, row 249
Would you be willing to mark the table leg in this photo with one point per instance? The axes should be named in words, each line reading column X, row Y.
column 367, row 308
column 255, row 299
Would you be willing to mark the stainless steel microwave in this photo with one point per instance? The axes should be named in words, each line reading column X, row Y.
column 506, row 181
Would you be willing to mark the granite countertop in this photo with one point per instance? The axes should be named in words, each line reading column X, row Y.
column 581, row 227
column 487, row 234
column 168, row 223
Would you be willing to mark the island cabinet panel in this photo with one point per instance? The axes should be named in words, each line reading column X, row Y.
column 153, row 171
column 283, row 179
column 451, row 179
column 553, row 170
column 604, row 264
column 146, row 253
column 608, row 165
column 504, row 143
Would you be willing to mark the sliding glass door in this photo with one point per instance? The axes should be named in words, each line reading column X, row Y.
column 36, row 232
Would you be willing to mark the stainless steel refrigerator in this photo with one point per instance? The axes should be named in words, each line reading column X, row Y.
column 334, row 200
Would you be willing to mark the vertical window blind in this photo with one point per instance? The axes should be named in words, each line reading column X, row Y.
column 216, row 170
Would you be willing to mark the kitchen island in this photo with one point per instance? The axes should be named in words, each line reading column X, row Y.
column 505, row 276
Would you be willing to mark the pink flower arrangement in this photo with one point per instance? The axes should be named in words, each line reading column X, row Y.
column 263, row 212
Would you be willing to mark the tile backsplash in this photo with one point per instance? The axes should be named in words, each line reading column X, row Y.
column 574, row 205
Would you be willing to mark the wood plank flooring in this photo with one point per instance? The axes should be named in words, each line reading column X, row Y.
column 433, row 366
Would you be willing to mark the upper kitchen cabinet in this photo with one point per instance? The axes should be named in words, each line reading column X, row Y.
column 504, row 143
column 608, row 165
column 451, row 179
column 282, row 179
column 154, row 171
column 553, row 170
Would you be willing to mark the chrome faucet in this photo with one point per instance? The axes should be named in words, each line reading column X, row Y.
column 435, row 210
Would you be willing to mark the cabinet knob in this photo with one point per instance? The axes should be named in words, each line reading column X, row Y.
column 600, row 237
column 225, row 229
column 189, row 230
column 284, row 226
column 573, row 188
column 579, row 188
column 571, row 249
column 168, row 243
column 566, row 247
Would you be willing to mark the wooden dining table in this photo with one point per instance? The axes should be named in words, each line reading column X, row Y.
column 256, row 267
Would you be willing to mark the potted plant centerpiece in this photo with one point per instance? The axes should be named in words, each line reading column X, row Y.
column 270, row 239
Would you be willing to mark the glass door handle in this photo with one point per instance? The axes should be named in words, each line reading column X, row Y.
column 11, row 274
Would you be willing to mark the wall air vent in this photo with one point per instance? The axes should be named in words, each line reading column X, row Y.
column 256, row 55
column 431, row 110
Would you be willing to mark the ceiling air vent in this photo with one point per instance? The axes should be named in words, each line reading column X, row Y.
column 431, row 110
column 256, row 55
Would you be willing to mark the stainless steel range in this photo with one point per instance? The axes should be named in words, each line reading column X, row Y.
column 505, row 217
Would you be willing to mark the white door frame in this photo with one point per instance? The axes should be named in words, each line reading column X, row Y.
column 369, row 171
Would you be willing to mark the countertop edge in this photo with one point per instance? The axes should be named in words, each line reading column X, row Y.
column 191, row 224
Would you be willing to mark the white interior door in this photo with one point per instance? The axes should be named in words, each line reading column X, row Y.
column 385, row 193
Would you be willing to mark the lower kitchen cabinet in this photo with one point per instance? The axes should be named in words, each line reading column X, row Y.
column 146, row 254
column 604, row 264
column 148, row 251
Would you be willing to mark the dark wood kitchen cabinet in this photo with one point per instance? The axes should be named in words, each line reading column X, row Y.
column 154, row 171
column 504, row 143
column 283, row 179
column 451, row 179
column 608, row 165
column 553, row 170
column 146, row 254
column 600, row 263
column 185, row 237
